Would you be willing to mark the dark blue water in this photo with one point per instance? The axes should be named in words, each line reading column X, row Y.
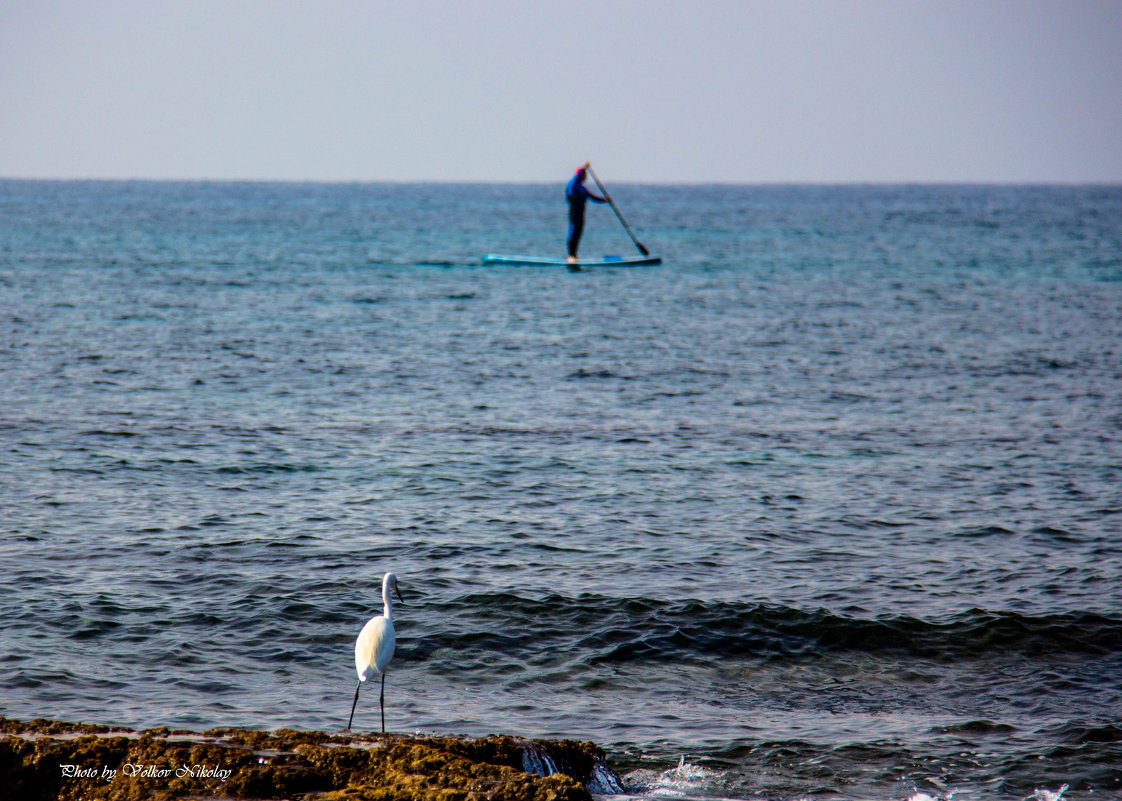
column 828, row 504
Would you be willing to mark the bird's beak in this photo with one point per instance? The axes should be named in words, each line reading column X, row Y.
column 398, row 591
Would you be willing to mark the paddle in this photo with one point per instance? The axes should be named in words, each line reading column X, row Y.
column 626, row 227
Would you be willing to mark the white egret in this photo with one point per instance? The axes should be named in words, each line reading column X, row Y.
column 374, row 646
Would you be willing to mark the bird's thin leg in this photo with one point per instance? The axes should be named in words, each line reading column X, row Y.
column 382, row 703
column 352, row 717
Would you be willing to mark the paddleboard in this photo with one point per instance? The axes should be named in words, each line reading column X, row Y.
column 541, row 261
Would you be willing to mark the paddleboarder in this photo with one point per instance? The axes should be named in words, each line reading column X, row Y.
column 578, row 196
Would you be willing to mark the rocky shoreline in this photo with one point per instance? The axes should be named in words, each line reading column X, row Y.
column 45, row 760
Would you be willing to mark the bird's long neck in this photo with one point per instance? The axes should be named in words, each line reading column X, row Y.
column 387, row 604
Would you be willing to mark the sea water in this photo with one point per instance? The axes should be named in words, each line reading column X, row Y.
column 827, row 505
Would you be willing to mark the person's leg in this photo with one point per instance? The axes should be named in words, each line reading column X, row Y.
column 576, row 228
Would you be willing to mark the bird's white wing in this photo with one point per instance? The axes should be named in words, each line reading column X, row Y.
column 374, row 647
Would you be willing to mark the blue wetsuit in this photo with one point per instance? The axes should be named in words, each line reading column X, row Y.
column 578, row 197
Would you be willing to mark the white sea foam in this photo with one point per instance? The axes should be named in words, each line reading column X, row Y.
column 685, row 780
column 1039, row 794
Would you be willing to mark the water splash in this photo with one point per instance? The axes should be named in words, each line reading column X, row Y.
column 537, row 760
column 604, row 781
column 601, row 779
column 684, row 780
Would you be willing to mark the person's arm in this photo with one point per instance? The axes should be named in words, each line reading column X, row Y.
column 606, row 199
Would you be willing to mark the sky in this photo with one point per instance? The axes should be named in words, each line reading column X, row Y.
column 661, row 91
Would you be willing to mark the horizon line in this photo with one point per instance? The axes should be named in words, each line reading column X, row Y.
column 547, row 182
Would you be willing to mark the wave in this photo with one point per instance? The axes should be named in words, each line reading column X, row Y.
column 797, row 768
column 424, row 262
column 623, row 630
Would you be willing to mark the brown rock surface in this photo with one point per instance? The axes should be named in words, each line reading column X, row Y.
column 47, row 759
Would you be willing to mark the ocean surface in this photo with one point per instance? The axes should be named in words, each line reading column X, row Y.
column 828, row 505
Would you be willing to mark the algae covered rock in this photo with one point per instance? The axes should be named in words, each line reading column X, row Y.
column 74, row 762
